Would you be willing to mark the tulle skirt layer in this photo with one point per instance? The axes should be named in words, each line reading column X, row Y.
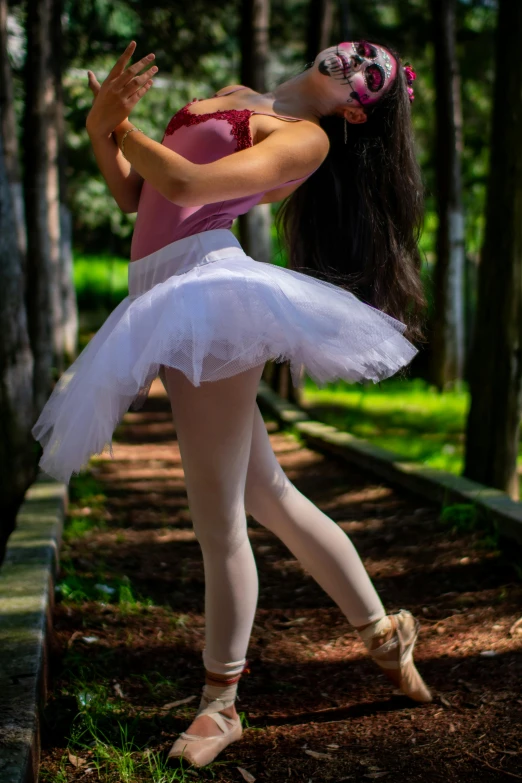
column 203, row 306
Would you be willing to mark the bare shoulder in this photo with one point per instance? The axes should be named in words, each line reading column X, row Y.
column 307, row 137
column 230, row 87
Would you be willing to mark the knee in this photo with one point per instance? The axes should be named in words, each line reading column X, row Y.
column 221, row 533
column 263, row 491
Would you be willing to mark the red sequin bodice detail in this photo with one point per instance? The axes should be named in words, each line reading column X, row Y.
column 238, row 119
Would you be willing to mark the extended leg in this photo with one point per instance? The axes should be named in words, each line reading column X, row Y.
column 330, row 557
column 319, row 544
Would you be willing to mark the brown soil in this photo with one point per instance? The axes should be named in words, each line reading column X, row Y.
column 311, row 687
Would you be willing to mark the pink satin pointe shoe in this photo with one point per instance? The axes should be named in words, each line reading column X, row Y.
column 200, row 751
column 395, row 656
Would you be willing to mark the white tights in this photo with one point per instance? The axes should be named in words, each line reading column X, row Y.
column 230, row 469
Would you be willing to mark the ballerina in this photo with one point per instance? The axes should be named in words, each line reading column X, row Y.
column 335, row 143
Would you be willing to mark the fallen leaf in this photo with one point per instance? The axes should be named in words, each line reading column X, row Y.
column 451, row 728
column 488, row 653
column 73, row 636
column 375, row 775
column 516, row 627
column 297, row 621
column 445, row 701
column 76, row 761
column 317, row 755
column 247, row 776
column 332, row 746
column 173, row 704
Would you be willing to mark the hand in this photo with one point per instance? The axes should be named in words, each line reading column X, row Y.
column 115, row 98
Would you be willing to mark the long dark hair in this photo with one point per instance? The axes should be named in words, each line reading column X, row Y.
column 356, row 221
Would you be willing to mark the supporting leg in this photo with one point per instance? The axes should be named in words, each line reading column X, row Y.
column 214, row 428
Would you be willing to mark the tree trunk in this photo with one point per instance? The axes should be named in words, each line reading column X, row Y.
column 254, row 227
column 18, row 463
column 68, row 310
column 448, row 338
column 345, row 21
column 496, row 361
column 41, row 200
column 10, row 139
column 320, row 20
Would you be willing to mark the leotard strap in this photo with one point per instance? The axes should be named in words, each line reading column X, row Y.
column 265, row 113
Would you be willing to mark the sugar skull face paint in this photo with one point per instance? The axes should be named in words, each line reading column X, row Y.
column 364, row 69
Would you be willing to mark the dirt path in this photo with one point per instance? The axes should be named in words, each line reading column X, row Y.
column 311, row 689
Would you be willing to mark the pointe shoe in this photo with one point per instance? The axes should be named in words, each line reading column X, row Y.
column 400, row 669
column 200, row 751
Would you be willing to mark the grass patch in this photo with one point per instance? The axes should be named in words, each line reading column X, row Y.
column 75, row 587
column 406, row 416
column 466, row 518
column 409, row 417
column 100, row 281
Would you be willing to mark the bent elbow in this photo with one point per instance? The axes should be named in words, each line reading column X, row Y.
column 128, row 209
column 185, row 186
column 182, row 193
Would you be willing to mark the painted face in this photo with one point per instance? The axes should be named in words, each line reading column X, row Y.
column 364, row 70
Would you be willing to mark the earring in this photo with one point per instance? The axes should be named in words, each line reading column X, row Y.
column 345, row 131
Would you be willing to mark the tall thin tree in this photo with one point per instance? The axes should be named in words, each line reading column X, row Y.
column 17, row 447
column 320, row 21
column 493, row 427
column 448, row 322
column 68, row 313
column 255, row 226
column 9, row 134
column 41, row 199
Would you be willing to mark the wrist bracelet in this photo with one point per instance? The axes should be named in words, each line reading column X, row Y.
column 125, row 136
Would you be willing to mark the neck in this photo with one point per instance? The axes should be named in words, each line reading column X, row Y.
column 300, row 97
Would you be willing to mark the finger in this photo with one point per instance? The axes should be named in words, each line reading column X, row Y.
column 132, row 70
column 93, row 81
column 131, row 86
column 121, row 62
column 139, row 93
column 93, row 85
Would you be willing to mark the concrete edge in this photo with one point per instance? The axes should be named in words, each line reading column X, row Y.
column 430, row 483
column 27, row 578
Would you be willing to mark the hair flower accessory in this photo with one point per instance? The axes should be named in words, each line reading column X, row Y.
column 410, row 78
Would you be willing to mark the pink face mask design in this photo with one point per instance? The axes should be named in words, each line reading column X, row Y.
column 367, row 69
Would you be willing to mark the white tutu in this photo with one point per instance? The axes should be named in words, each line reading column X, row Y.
column 203, row 306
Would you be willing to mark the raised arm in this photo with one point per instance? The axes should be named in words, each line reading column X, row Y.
column 113, row 101
column 291, row 152
column 122, row 180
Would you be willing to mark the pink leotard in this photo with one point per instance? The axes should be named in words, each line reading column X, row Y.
column 201, row 138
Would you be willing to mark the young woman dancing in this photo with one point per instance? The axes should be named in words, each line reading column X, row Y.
column 336, row 143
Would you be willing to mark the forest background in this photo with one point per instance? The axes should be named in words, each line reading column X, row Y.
column 65, row 243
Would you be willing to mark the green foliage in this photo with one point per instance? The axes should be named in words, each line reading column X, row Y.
column 464, row 518
column 101, row 281
column 84, row 489
column 461, row 516
column 407, row 416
